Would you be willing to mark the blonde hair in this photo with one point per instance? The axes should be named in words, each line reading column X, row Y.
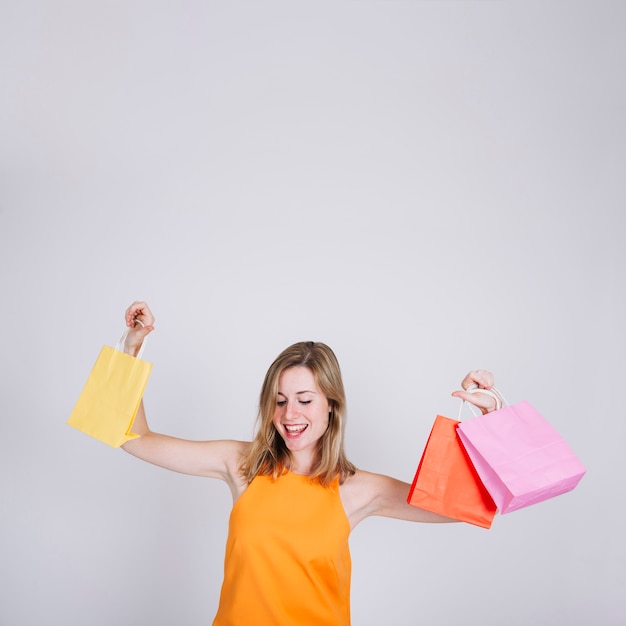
column 268, row 455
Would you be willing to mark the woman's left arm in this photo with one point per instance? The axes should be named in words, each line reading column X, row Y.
column 366, row 494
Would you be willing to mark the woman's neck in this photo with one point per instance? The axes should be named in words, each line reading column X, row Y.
column 301, row 464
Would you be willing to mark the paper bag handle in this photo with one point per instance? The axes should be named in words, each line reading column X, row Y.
column 120, row 343
column 493, row 392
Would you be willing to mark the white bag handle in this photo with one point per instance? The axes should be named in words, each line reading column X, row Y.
column 493, row 392
column 120, row 344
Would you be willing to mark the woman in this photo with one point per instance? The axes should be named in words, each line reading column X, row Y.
column 296, row 497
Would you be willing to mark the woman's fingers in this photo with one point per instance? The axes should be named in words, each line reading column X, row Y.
column 486, row 403
column 140, row 321
column 139, row 314
column 480, row 378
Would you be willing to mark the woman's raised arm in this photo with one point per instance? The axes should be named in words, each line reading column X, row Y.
column 365, row 494
column 211, row 459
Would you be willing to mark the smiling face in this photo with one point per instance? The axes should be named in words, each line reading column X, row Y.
column 301, row 414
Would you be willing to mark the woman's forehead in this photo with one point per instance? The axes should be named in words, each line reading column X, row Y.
column 298, row 379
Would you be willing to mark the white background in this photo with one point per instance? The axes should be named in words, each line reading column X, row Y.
column 428, row 187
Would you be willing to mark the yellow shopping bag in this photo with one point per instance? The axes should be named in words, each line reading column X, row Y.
column 108, row 403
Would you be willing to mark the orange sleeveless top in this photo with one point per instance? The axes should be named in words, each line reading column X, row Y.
column 287, row 558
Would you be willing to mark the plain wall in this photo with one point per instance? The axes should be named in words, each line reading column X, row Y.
column 428, row 187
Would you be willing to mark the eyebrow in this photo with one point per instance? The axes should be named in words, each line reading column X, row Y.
column 280, row 393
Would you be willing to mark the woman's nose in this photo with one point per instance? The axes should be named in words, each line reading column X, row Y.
column 291, row 410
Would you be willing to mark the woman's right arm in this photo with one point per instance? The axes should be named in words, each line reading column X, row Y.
column 212, row 459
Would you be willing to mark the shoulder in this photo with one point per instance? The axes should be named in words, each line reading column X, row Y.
column 235, row 448
column 367, row 482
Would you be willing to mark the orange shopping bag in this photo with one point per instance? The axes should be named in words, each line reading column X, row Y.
column 446, row 481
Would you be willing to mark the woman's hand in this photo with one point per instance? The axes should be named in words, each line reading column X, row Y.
column 478, row 379
column 140, row 320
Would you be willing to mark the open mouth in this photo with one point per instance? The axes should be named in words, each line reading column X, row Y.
column 295, row 430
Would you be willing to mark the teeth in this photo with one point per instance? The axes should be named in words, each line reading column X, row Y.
column 295, row 429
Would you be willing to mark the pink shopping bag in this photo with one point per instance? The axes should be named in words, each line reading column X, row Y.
column 519, row 456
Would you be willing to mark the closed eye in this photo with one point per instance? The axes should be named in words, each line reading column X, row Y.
column 281, row 402
column 305, row 401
